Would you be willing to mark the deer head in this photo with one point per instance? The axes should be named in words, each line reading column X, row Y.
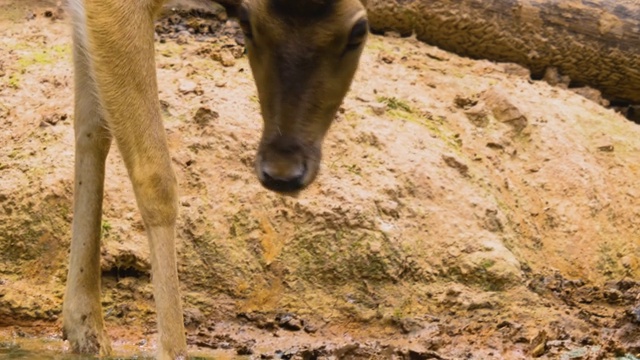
column 303, row 55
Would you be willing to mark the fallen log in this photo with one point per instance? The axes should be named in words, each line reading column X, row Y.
column 594, row 42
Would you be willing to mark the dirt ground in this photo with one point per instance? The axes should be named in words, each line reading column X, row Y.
column 463, row 211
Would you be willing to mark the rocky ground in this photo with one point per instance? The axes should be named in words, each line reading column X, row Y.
column 462, row 211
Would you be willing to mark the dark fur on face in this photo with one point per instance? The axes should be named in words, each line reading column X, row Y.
column 302, row 9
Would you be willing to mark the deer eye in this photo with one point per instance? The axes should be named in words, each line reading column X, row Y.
column 358, row 34
column 245, row 24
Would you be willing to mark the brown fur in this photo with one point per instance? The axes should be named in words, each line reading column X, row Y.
column 116, row 97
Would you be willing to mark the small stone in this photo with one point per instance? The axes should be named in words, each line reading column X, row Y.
column 204, row 116
column 392, row 34
column 463, row 102
column 378, row 108
column 478, row 305
column 310, row 329
column 203, row 28
column 346, row 350
column 193, row 317
column 187, row 86
column 504, row 110
column 175, row 19
column 454, row 163
column 227, row 59
column 495, row 146
column 51, row 119
column 165, row 106
column 591, row 94
column 289, row 322
column 606, row 148
column 183, row 37
column 587, row 340
column 386, row 58
column 478, row 115
column 557, row 343
column 416, row 354
column 245, row 348
column 553, row 77
column 434, row 343
column 365, row 98
column 538, row 345
column 612, row 295
column 237, row 51
column 580, row 353
column 410, row 325
column 492, row 221
column 516, row 70
column 239, row 38
column 224, row 56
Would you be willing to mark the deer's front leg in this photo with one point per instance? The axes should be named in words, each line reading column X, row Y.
column 82, row 312
column 120, row 34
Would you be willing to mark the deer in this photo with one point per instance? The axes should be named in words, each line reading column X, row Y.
column 303, row 55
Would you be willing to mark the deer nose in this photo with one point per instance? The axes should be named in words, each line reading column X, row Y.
column 283, row 172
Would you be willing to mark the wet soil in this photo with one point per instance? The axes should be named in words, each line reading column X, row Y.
column 462, row 211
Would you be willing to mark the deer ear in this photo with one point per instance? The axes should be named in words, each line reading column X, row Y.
column 244, row 20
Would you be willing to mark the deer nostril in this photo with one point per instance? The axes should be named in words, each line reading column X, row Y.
column 283, row 180
column 283, row 172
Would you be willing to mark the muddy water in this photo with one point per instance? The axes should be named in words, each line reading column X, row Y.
column 55, row 349
column 45, row 349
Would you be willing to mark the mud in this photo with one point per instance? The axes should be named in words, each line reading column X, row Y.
column 462, row 211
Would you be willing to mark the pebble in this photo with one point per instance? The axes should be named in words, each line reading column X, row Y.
column 378, row 108
column 187, row 86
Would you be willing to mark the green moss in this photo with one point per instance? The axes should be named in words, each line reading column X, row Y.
column 32, row 233
column 337, row 260
column 394, row 103
column 169, row 49
column 353, row 168
column 35, row 58
column 14, row 81
column 398, row 313
column 374, row 43
column 105, row 228
column 33, row 55
column 487, row 263
column 351, row 117
column 607, row 263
